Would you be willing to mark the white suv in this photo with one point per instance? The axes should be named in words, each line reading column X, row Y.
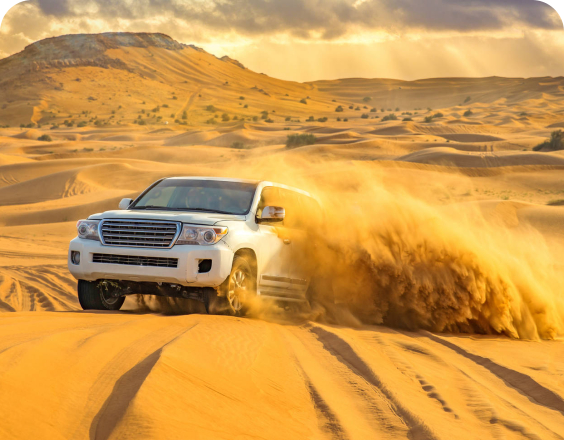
column 220, row 241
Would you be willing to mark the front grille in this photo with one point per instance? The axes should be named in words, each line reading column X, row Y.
column 139, row 233
column 133, row 260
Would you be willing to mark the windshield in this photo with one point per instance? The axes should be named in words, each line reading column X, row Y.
column 219, row 196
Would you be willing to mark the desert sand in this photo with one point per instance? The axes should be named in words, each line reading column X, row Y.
column 444, row 238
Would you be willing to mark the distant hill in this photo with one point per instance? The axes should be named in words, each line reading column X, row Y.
column 120, row 77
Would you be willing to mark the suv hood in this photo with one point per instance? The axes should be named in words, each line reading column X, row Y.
column 196, row 218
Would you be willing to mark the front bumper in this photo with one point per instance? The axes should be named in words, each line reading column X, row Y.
column 186, row 273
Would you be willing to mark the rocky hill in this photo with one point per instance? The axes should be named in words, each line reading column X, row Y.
column 123, row 77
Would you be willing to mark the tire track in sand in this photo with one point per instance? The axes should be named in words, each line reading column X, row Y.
column 345, row 354
column 520, row 382
column 124, row 391
column 186, row 107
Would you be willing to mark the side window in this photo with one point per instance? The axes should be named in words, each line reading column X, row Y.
column 270, row 196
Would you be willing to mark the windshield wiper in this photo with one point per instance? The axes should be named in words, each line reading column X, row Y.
column 166, row 208
column 214, row 211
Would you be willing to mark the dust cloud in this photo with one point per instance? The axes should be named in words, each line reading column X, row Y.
column 388, row 257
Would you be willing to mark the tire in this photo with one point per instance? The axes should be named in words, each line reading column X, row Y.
column 93, row 297
column 239, row 288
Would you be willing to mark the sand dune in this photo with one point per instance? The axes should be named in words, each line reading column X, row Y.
column 461, row 246
column 451, row 157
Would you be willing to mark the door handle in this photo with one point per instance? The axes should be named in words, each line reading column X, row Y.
column 287, row 241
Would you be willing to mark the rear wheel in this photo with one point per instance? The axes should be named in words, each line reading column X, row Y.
column 92, row 296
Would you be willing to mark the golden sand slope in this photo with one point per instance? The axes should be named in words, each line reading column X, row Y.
column 122, row 375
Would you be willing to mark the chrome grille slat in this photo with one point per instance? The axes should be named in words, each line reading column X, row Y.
column 134, row 260
column 139, row 233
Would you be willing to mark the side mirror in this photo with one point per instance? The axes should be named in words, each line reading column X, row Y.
column 124, row 204
column 272, row 214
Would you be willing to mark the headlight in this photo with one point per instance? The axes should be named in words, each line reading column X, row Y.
column 88, row 229
column 204, row 235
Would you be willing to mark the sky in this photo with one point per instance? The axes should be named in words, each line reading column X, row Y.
column 305, row 40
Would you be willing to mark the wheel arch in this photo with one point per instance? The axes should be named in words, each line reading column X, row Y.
column 250, row 255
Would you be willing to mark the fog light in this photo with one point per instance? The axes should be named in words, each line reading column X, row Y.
column 75, row 257
column 204, row 266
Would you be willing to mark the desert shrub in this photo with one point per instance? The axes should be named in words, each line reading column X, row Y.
column 367, row 99
column 324, row 119
column 468, row 99
column 390, row 117
column 357, row 108
column 346, row 120
column 339, row 109
column 184, row 115
column 175, row 97
column 397, row 109
column 338, row 119
column 468, row 113
column 238, row 145
column 54, row 127
column 235, row 118
column 255, row 118
column 523, row 114
column 428, row 119
column 303, row 101
column 44, row 138
column 438, row 115
column 270, row 121
column 299, row 140
column 211, row 108
column 211, row 121
column 287, row 128
column 288, row 118
column 351, row 107
column 246, row 106
column 555, row 143
column 310, row 119
column 140, row 122
column 373, row 110
column 165, row 105
column 365, row 116
column 407, row 119
column 241, row 98
column 81, row 124
column 172, row 115
column 225, row 117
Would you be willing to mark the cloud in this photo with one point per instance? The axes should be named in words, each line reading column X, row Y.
column 321, row 19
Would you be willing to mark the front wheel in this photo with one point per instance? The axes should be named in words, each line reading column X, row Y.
column 93, row 296
column 239, row 289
